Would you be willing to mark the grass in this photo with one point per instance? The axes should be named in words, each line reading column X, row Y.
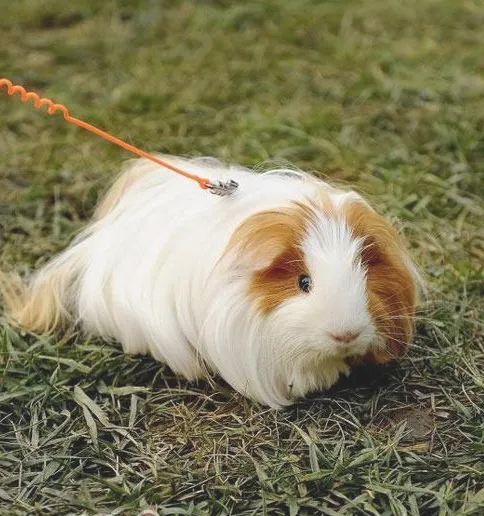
column 385, row 95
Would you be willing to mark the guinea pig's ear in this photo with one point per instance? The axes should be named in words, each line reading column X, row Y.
column 271, row 238
column 391, row 280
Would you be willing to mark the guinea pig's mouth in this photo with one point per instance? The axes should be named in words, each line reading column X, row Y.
column 331, row 352
column 353, row 352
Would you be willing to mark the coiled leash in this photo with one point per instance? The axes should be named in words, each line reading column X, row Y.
column 216, row 186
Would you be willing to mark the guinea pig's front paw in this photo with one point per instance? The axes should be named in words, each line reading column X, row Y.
column 315, row 375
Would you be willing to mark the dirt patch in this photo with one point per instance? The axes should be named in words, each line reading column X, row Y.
column 419, row 421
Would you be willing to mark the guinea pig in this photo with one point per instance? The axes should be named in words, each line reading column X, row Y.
column 279, row 288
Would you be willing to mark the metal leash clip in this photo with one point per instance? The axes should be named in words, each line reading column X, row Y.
column 218, row 187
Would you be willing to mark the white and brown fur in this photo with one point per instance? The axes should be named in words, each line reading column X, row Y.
column 212, row 285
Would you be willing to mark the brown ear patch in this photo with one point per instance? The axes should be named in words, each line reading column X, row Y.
column 390, row 284
column 270, row 244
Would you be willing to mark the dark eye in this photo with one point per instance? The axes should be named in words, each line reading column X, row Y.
column 305, row 283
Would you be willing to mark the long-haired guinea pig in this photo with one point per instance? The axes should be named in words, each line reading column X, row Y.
column 279, row 288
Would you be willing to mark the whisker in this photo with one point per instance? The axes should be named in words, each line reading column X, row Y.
column 295, row 261
column 402, row 317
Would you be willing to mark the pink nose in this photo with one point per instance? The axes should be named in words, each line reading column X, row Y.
column 345, row 337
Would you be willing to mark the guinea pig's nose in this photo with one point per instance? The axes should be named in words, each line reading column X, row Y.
column 345, row 337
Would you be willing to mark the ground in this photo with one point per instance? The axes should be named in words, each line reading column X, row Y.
column 384, row 95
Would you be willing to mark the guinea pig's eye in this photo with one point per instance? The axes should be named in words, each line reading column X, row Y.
column 305, row 283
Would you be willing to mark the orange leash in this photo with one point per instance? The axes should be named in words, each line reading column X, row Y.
column 217, row 187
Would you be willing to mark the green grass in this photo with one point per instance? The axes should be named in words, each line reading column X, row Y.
column 385, row 95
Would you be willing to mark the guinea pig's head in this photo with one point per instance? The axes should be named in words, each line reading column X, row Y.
column 331, row 285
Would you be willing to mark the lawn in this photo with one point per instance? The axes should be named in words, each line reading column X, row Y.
column 384, row 95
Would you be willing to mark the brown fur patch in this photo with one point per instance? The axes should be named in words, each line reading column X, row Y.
column 391, row 286
column 270, row 241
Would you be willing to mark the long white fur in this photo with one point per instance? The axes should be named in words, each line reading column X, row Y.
column 149, row 274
